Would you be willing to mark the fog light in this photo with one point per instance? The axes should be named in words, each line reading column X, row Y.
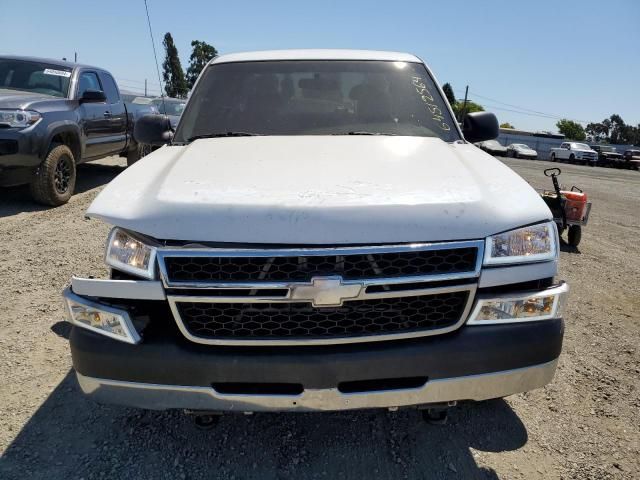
column 102, row 319
column 529, row 307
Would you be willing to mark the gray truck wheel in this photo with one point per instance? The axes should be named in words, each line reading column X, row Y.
column 137, row 153
column 55, row 179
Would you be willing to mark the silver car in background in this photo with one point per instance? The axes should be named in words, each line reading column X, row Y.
column 521, row 150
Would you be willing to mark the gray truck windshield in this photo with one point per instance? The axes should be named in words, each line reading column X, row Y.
column 35, row 77
column 317, row 98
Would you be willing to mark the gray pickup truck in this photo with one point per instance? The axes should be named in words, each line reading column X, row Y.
column 55, row 115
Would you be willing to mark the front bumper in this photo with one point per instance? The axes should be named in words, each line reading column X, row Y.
column 470, row 387
column 166, row 371
column 19, row 155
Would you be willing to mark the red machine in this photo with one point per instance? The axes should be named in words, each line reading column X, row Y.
column 570, row 208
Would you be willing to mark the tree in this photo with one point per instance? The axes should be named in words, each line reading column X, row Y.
column 201, row 53
column 570, row 129
column 599, row 131
column 620, row 131
column 506, row 125
column 470, row 108
column 448, row 92
column 175, row 83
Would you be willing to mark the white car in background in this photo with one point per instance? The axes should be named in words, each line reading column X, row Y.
column 574, row 152
column 521, row 150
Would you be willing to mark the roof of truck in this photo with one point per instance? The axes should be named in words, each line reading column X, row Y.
column 315, row 54
column 51, row 61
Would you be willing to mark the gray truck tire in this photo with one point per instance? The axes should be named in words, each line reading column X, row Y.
column 55, row 179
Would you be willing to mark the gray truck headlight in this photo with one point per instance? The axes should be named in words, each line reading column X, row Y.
column 534, row 243
column 18, row 118
column 525, row 307
column 130, row 254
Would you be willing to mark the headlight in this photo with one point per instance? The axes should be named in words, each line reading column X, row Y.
column 528, row 244
column 18, row 118
column 102, row 319
column 530, row 307
column 129, row 254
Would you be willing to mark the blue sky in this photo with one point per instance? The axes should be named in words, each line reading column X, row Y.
column 576, row 59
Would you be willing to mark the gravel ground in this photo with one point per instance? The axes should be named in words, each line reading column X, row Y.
column 586, row 424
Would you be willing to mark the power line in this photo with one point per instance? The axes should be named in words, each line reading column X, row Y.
column 155, row 55
column 520, row 110
column 129, row 80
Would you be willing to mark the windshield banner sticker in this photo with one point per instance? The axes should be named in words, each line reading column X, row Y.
column 57, row 73
column 427, row 98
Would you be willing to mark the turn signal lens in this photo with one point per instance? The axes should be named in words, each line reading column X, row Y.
column 102, row 319
column 527, row 308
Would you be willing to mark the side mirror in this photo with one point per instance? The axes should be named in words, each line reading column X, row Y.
column 480, row 126
column 153, row 129
column 93, row 96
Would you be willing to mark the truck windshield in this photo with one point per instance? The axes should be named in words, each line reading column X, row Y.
column 169, row 107
column 36, row 77
column 317, row 98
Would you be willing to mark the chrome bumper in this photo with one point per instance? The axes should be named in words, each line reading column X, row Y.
column 472, row 387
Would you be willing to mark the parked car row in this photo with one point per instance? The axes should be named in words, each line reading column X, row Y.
column 570, row 152
column 595, row 155
column 515, row 150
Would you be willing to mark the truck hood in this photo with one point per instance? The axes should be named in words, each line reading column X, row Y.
column 17, row 99
column 319, row 190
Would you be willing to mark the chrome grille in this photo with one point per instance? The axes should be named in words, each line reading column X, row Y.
column 320, row 296
column 349, row 264
column 279, row 320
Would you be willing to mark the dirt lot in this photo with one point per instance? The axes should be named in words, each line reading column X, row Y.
column 586, row 424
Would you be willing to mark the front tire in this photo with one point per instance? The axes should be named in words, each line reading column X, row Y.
column 137, row 153
column 553, row 157
column 572, row 158
column 55, row 179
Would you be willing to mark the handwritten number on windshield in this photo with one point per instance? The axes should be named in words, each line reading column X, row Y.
column 427, row 98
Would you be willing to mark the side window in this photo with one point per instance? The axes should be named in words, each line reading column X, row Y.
column 110, row 89
column 88, row 81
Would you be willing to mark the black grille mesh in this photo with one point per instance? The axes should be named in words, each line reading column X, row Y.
column 303, row 268
column 302, row 320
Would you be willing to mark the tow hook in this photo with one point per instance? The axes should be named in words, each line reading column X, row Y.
column 205, row 420
column 437, row 414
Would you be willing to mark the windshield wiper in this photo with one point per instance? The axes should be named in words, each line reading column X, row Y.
column 224, row 134
column 365, row 133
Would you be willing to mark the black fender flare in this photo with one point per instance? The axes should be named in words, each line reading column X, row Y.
column 66, row 127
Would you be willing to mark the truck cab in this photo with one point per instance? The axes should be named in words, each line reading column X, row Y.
column 319, row 234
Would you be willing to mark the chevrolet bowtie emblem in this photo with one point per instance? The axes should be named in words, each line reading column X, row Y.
column 325, row 291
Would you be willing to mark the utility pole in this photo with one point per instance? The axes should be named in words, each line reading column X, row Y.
column 463, row 113
column 145, row 87
column 75, row 57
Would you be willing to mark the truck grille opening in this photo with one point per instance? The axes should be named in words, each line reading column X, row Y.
column 381, row 384
column 237, row 388
column 303, row 268
column 300, row 320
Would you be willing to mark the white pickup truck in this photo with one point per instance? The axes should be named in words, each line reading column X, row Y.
column 318, row 234
column 574, row 152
